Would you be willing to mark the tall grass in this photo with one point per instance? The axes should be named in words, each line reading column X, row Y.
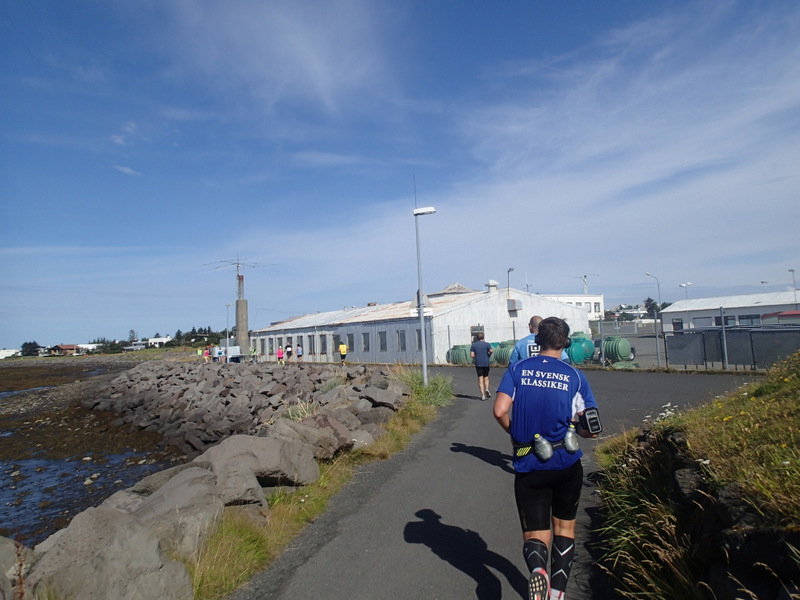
column 748, row 437
column 247, row 542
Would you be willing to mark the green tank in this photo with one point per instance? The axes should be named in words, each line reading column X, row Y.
column 617, row 348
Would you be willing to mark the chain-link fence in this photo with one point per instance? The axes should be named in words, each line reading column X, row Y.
column 635, row 345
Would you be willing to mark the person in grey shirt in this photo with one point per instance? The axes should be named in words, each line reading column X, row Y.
column 481, row 353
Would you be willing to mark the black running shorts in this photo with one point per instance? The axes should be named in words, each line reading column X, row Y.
column 542, row 493
column 482, row 371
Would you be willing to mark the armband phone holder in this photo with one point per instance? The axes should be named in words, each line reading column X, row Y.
column 590, row 421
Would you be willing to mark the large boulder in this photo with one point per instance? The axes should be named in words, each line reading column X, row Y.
column 323, row 443
column 273, row 461
column 183, row 511
column 106, row 554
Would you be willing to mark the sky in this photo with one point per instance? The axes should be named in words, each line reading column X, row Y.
column 148, row 147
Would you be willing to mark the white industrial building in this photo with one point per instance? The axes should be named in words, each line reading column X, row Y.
column 745, row 310
column 390, row 333
column 593, row 304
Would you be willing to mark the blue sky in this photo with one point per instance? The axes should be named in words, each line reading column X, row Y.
column 141, row 143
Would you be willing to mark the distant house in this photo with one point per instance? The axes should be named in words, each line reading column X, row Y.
column 158, row 342
column 64, row 350
column 593, row 304
column 748, row 310
column 6, row 353
column 134, row 346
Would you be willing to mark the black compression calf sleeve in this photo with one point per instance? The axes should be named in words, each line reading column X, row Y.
column 561, row 561
column 535, row 553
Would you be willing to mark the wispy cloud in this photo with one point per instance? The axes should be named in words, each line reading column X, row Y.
column 322, row 54
column 127, row 170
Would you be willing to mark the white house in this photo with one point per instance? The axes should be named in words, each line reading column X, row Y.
column 593, row 304
column 158, row 342
column 390, row 333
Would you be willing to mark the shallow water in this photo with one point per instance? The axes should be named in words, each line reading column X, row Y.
column 39, row 496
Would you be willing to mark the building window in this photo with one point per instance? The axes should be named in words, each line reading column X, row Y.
column 382, row 346
column 365, row 341
column 323, row 343
column 419, row 340
column 749, row 319
column 280, row 341
column 702, row 322
column 311, row 344
column 271, row 345
column 597, row 307
column 351, row 341
column 579, row 304
column 401, row 340
column 730, row 321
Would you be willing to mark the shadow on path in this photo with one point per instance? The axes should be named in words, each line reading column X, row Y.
column 493, row 457
column 466, row 551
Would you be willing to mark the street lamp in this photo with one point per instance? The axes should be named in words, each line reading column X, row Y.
column 655, row 319
column 508, row 285
column 794, row 288
column 685, row 287
column 427, row 210
column 227, row 321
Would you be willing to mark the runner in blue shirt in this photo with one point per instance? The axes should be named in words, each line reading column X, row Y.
column 481, row 353
column 539, row 402
column 527, row 346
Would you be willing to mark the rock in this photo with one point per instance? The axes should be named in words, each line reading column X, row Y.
column 361, row 439
column 106, row 554
column 384, row 397
column 183, row 511
column 273, row 461
column 328, row 423
column 323, row 443
column 15, row 559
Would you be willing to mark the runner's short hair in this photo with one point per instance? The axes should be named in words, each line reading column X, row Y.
column 553, row 333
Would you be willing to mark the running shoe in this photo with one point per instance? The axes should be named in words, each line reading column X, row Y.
column 538, row 585
column 488, row 394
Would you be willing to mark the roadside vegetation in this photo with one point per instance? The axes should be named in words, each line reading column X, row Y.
column 749, row 437
column 246, row 543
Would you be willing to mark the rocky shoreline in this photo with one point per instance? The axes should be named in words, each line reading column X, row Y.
column 51, row 446
column 241, row 430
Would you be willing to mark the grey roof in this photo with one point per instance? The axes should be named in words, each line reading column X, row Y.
column 379, row 312
column 442, row 302
column 741, row 301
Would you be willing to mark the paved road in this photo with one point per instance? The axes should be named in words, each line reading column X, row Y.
column 438, row 519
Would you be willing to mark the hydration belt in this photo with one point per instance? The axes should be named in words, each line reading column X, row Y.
column 542, row 448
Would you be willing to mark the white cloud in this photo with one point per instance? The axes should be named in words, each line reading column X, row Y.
column 127, row 170
column 322, row 54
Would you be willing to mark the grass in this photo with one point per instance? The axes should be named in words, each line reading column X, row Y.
column 246, row 542
column 749, row 437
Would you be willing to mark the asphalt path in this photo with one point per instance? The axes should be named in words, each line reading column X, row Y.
column 438, row 520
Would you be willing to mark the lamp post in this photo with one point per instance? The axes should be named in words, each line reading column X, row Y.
column 428, row 210
column 794, row 288
column 685, row 287
column 508, row 277
column 227, row 321
column 655, row 320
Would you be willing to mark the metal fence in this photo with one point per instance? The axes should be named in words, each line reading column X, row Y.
column 737, row 348
column 716, row 348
